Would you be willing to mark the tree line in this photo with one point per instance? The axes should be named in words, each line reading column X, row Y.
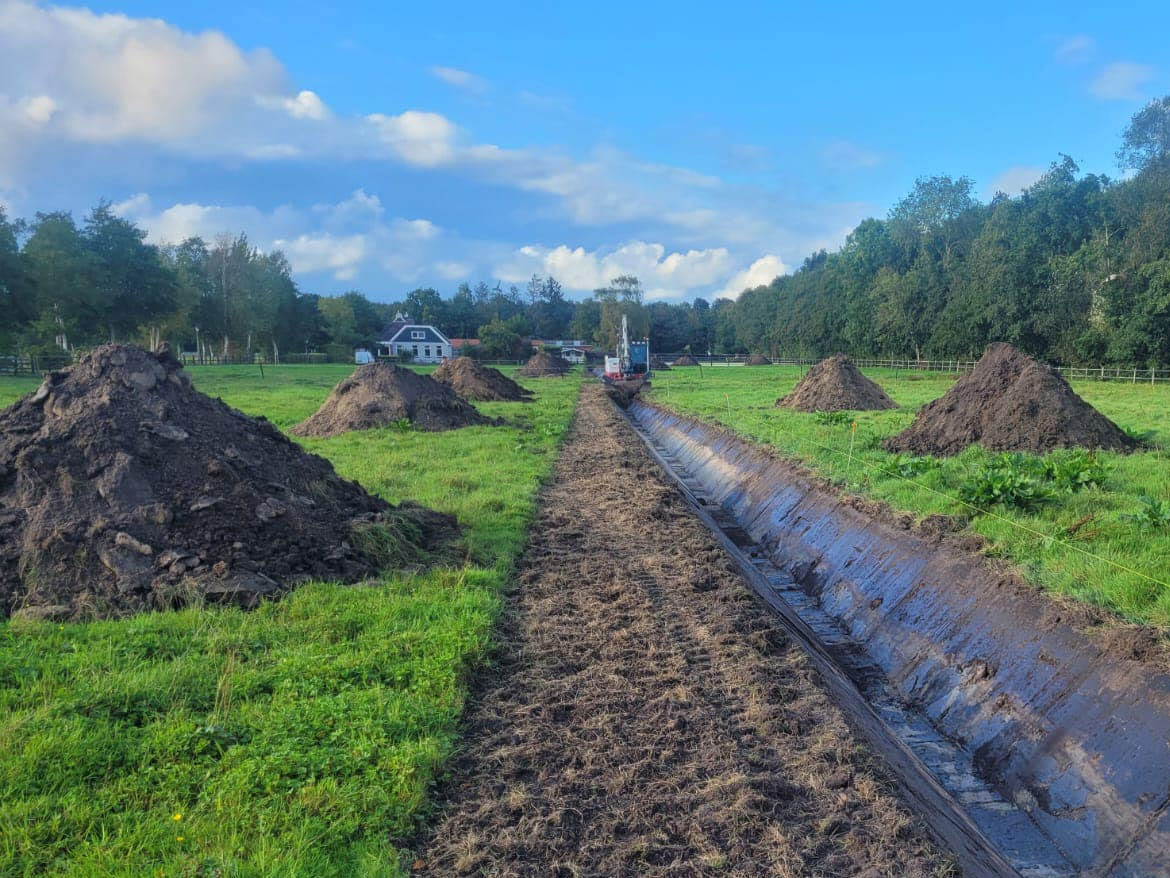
column 1075, row 269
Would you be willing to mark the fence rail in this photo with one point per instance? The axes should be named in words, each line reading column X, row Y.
column 38, row 364
column 1128, row 374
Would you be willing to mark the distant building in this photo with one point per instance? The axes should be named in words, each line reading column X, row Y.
column 576, row 355
column 361, row 356
column 459, row 344
column 423, row 341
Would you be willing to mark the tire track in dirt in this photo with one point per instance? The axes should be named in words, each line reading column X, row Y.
column 645, row 716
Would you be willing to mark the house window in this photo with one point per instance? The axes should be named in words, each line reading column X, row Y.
column 417, row 333
column 427, row 351
column 416, row 350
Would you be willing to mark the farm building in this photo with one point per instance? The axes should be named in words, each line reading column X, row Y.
column 423, row 341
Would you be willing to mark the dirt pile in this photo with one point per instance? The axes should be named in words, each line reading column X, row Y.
column 1009, row 402
column 382, row 394
column 686, row 360
column 542, row 364
column 836, row 384
column 123, row 488
column 659, row 365
column 646, row 716
column 757, row 360
column 623, row 392
column 471, row 380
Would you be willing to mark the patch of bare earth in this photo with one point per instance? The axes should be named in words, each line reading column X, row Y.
column 645, row 716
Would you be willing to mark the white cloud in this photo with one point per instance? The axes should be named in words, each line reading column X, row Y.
column 1121, row 81
column 1075, row 49
column 1015, row 179
column 340, row 255
column 761, row 272
column 460, row 79
column 38, row 110
column 844, row 155
column 418, row 138
column 306, row 105
column 340, row 238
column 662, row 274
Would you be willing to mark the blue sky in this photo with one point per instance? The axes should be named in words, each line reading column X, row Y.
column 703, row 147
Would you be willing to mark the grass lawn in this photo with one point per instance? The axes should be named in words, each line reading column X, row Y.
column 1075, row 543
column 299, row 739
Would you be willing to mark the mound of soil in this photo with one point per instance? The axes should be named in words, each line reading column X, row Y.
column 686, row 360
column 123, row 488
column 657, row 365
column 471, row 380
column 542, row 364
column 1009, row 402
column 836, row 384
column 757, row 360
column 623, row 392
column 381, row 394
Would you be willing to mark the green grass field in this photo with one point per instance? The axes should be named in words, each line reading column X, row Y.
column 1086, row 544
column 299, row 739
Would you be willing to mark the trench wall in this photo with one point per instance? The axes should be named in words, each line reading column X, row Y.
column 1071, row 733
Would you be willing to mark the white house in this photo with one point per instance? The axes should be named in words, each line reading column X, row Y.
column 423, row 341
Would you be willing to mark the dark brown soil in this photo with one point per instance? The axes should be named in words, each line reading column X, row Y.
column 645, row 717
column 542, row 364
column 686, row 360
column 657, row 365
column 471, row 380
column 835, row 385
column 623, row 392
column 381, row 394
column 123, row 488
column 1009, row 402
column 757, row 360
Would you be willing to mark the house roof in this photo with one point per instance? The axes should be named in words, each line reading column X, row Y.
column 400, row 329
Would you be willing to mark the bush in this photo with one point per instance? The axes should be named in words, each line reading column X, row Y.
column 1154, row 514
column 1006, row 479
column 1070, row 471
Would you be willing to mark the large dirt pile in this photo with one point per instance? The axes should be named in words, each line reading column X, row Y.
column 659, row 365
column 757, row 360
column 542, row 364
column 1009, row 402
column 686, row 360
column 381, row 394
column 471, row 380
column 124, row 488
column 833, row 385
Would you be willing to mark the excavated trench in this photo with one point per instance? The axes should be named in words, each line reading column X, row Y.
column 1032, row 746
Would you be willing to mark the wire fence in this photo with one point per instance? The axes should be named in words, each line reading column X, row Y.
column 1129, row 374
column 38, row 364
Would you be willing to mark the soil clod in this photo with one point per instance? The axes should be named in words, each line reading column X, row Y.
column 472, row 380
column 384, row 394
column 1009, row 402
column 542, row 364
column 123, row 488
column 757, row 360
column 836, row 384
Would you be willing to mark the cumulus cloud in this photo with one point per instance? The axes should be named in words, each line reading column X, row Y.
column 418, row 138
column 460, row 79
column 1015, row 179
column 339, row 239
column 1121, row 81
column 663, row 274
column 760, row 273
column 306, row 105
